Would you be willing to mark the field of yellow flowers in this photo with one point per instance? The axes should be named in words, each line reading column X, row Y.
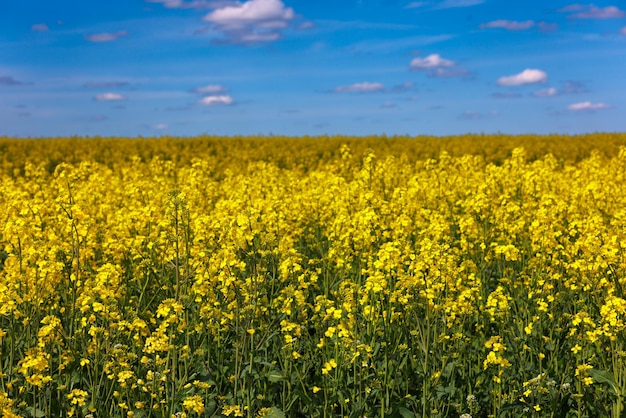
column 474, row 276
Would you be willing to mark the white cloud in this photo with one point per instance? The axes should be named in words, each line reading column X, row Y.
column 587, row 106
column 623, row 31
column 592, row 12
column 253, row 21
column 160, row 126
column 509, row 24
column 211, row 89
column 108, row 97
column 549, row 92
column 39, row 27
column 528, row 76
column 364, row 87
column 431, row 62
column 222, row 100
column 106, row 37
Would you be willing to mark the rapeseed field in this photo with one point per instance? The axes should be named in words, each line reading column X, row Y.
column 474, row 276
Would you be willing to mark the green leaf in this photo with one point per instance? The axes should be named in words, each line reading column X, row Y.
column 275, row 413
column 512, row 406
column 37, row 413
column 274, row 376
column 406, row 413
column 602, row 376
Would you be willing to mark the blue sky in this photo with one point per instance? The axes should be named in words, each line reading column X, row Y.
column 296, row 67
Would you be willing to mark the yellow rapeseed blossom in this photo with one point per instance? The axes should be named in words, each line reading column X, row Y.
column 213, row 274
column 194, row 403
column 77, row 397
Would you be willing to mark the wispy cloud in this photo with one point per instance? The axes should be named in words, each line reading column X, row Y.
column 452, row 4
column 108, row 97
column 105, row 84
column 470, row 115
column 211, row 89
column 569, row 87
column 194, row 4
column 623, row 31
column 587, row 106
column 549, row 92
column 445, row 4
column 415, row 4
column 547, row 26
column 39, row 27
column 577, row 7
column 254, row 21
column 449, row 73
column 507, row 95
column 508, row 24
column 365, row 87
column 591, row 11
column 573, row 87
column 106, row 37
column 399, row 88
column 216, row 100
column 305, row 26
column 389, row 45
column 7, row 80
column 528, row 76
column 160, row 126
column 337, row 25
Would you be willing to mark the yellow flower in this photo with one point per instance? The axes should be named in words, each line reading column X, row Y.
column 328, row 366
column 582, row 369
column 194, row 403
column 528, row 329
column 234, row 410
column 77, row 397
